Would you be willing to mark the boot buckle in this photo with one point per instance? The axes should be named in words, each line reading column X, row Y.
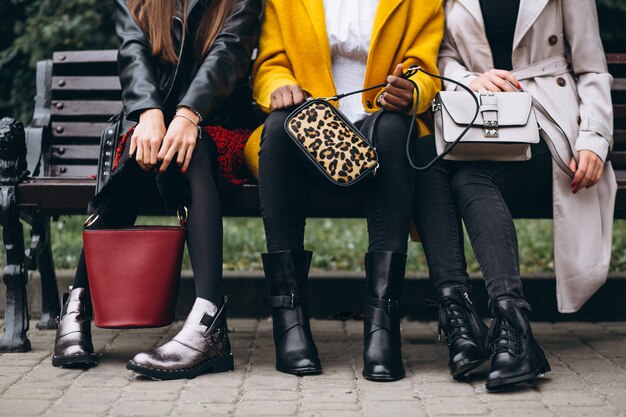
column 392, row 306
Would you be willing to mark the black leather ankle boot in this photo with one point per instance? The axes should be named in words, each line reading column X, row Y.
column 516, row 355
column 286, row 274
column 382, row 355
column 72, row 345
column 464, row 331
column 202, row 346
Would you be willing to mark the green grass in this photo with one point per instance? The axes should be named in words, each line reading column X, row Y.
column 338, row 244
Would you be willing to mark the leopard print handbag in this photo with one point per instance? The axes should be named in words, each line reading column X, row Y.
column 332, row 143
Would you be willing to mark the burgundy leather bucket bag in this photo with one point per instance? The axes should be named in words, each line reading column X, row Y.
column 134, row 274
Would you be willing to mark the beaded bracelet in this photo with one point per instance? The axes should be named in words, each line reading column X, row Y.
column 194, row 111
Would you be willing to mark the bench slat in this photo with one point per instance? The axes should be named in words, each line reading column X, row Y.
column 77, row 130
column 76, row 171
column 85, row 108
column 616, row 58
column 72, row 83
column 619, row 84
column 74, row 57
column 75, row 152
column 618, row 159
column 619, row 111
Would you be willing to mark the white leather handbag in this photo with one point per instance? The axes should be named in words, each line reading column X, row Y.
column 505, row 128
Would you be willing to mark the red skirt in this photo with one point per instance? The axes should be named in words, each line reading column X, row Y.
column 230, row 144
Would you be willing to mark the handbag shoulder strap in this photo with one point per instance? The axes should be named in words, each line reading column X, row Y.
column 410, row 72
column 555, row 155
column 350, row 93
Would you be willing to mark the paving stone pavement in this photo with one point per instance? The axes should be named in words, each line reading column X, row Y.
column 588, row 378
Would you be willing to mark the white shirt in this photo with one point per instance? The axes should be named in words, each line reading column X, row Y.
column 349, row 28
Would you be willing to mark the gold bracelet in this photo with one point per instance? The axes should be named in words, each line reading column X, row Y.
column 197, row 126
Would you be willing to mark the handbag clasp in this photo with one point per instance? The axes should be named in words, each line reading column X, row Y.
column 489, row 111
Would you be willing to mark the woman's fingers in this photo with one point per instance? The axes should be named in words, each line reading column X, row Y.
column 133, row 144
column 139, row 156
column 164, row 148
column 572, row 165
column 167, row 159
column 297, row 94
column 580, row 174
column 501, row 83
column 154, row 151
column 389, row 106
column 599, row 174
column 146, row 153
column 489, row 86
column 188, row 156
column 394, row 100
column 397, row 71
column 590, row 169
column 180, row 157
column 506, row 75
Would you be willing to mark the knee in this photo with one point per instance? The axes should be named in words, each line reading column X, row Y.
column 459, row 180
column 274, row 128
column 468, row 183
column 391, row 133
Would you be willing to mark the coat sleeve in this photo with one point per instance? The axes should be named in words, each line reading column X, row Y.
column 272, row 68
column 451, row 64
column 228, row 59
column 136, row 65
column 424, row 53
column 582, row 37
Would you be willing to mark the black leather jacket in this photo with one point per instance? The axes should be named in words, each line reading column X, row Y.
column 207, row 86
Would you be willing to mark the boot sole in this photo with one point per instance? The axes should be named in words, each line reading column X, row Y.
column 383, row 378
column 213, row 366
column 459, row 371
column 506, row 383
column 300, row 371
column 76, row 361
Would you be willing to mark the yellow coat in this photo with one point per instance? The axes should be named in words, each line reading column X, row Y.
column 294, row 49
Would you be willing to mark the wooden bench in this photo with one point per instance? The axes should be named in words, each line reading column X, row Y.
column 77, row 92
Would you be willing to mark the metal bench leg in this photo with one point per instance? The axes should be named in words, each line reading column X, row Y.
column 12, row 168
column 39, row 256
column 50, row 305
column 15, row 278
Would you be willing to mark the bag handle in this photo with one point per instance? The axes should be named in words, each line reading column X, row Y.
column 555, row 155
column 181, row 214
column 412, row 71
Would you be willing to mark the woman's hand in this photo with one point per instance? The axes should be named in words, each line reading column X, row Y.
column 147, row 138
column 588, row 172
column 495, row 81
column 180, row 140
column 287, row 96
column 398, row 94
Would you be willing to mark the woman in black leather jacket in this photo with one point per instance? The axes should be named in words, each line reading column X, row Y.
column 179, row 61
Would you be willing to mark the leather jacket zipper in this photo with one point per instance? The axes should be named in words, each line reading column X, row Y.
column 180, row 55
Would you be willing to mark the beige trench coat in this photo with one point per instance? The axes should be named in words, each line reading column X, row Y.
column 558, row 57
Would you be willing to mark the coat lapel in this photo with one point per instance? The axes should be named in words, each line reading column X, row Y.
column 529, row 11
column 473, row 6
column 315, row 10
column 383, row 12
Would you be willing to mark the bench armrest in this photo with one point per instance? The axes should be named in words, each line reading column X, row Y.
column 39, row 126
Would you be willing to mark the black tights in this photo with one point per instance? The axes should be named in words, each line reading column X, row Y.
column 204, row 224
column 284, row 184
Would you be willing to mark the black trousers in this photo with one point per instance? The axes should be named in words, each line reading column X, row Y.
column 285, row 182
column 483, row 192
column 480, row 193
column 204, row 224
